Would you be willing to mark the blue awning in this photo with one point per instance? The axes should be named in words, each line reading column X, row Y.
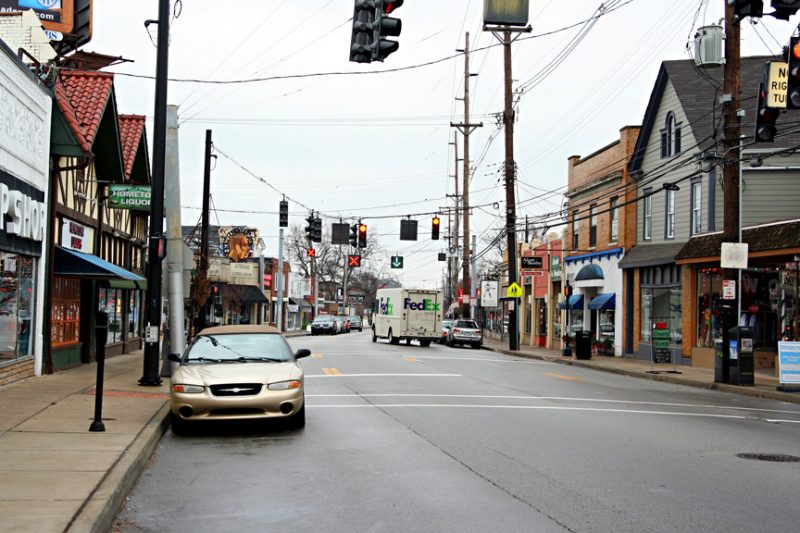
column 575, row 302
column 604, row 301
column 72, row 263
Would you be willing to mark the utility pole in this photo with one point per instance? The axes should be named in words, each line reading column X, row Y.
column 453, row 261
column 731, row 143
column 279, row 306
column 204, row 222
column 172, row 197
column 152, row 312
column 466, row 128
column 510, row 171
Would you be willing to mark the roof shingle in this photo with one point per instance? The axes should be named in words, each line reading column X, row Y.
column 83, row 97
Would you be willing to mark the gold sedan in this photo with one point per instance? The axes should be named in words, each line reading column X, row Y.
column 237, row 373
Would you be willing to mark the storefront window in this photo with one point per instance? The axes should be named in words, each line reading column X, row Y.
column 709, row 288
column 575, row 321
column 134, row 305
column 17, row 293
column 66, row 312
column 556, row 322
column 662, row 304
column 111, row 301
column 542, row 320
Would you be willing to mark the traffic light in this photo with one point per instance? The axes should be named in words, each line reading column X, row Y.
column 284, row 214
column 784, row 8
column 793, row 83
column 354, row 236
column 362, row 235
column 386, row 27
column 311, row 220
column 765, row 118
column 317, row 229
column 435, row 228
column 353, row 261
column 363, row 31
column 311, row 252
column 748, row 8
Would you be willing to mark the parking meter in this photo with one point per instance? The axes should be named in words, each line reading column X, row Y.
column 740, row 353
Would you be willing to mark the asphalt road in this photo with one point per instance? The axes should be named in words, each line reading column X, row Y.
column 404, row 438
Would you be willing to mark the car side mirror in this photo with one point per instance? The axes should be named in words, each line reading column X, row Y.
column 174, row 358
column 302, row 352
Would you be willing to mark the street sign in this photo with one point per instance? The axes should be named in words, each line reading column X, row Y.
column 514, row 291
column 534, row 273
column 531, row 262
column 397, row 261
column 777, row 85
column 789, row 363
column 408, row 230
column 729, row 289
column 340, row 233
column 734, row 255
column 311, row 252
column 354, row 261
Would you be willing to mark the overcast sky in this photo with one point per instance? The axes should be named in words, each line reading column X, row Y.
column 378, row 144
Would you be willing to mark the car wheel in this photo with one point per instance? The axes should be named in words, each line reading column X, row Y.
column 425, row 343
column 393, row 339
column 374, row 336
column 477, row 346
column 298, row 420
column 177, row 424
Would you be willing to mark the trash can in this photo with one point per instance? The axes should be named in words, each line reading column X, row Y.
column 740, row 353
column 583, row 345
column 721, row 363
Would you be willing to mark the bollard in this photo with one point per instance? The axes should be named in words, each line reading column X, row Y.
column 101, row 336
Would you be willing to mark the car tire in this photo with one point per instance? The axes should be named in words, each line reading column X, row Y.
column 393, row 339
column 374, row 336
column 298, row 420
column 477, row 346
column 425, row 343
column 177, row 424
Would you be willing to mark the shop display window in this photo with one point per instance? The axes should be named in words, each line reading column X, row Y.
column 111, row 301
column 66, row 312
column 17, row 294
column 661, row 304
column 134, row 308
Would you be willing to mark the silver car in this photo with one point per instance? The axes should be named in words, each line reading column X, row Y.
column 356, row 323
column 465, row 332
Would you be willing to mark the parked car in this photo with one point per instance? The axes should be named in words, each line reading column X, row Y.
column 465, row 332
column 339, row 324
column 446, row 324
column 324, row 324
column 356, row 323
column 237, row 373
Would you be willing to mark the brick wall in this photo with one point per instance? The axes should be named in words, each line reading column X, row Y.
column 16, row 371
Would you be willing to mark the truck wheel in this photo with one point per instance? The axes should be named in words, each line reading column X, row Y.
column 425, row 343
column 392, row 338
column 374, row 336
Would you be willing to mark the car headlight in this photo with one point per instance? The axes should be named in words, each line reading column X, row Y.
column 284, row 385
column 188, row 389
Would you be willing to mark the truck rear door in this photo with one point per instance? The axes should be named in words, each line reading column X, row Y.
column 421, row 309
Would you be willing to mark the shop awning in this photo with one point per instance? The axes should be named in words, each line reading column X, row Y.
column 649, row 255
column 72, row 263
column 590, row 272
column 604, row 302
column 575, row 302
column 243, row 294
column 127, row 284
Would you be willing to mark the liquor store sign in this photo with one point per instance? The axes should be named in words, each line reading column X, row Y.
column 129, row 197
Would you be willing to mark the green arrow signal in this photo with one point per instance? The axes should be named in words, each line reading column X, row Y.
column 397, row 261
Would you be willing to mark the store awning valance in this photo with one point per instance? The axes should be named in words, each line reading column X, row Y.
column 606, row 301
column 575, row 302
column 72, row 263
column 589, row 272
column 243, row 294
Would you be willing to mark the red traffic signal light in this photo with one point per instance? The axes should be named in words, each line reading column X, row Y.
column 354, row 260
column 311, row 252
column 391, row 5
column 436, row 223
column 765, row 118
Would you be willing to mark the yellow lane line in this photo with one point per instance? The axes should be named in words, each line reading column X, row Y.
column 332, row 371
column 316, row 356
column 561, row 376
column 411, row 359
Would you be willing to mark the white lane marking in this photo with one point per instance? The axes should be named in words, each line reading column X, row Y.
column 775, row 420
column 541, row 408
column 484, row 359
column 385, row 375
column 558, row 398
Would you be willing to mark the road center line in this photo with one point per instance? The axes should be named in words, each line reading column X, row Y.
column 484, row 359
column 340, row 375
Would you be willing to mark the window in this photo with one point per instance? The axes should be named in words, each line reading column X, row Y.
column 614, row 219
column 66, row 312
column 670, row 137
column 697, row 207
column 575, row 223
column 669, row 233
column 593, row 226
column 648, row 214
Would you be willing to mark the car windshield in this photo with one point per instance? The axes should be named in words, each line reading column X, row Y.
column 323, row 319
column 355, row 318
column 469, row 324
column 240, row 347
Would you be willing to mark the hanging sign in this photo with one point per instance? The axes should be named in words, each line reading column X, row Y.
column 129, row 197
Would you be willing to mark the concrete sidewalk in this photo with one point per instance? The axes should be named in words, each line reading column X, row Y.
column 58, row 476
column 765, row 384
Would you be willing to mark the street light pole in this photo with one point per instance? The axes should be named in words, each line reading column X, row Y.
column 260, row 247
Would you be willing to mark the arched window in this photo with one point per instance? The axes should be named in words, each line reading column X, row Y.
column 670, row 136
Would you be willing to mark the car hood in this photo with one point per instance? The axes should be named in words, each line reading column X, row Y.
column 221, row 373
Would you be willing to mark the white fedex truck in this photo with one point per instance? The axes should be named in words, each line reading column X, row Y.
column 408, row 314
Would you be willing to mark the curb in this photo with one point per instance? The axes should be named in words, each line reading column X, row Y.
column 98, row 513
column 722, row 387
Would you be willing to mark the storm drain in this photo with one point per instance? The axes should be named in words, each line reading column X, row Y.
column 770, row 457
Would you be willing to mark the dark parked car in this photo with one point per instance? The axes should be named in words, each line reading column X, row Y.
column 324, row 324
column 356, row 323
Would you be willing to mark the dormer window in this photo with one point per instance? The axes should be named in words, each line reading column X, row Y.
column 671, row 137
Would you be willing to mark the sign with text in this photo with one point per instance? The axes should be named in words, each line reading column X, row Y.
column 238, row 242
column 777, row 84
column 532, row 263
column 77, row 237
column 789, row 362
column 662, row 351
column 729, row 289
column 129, row 197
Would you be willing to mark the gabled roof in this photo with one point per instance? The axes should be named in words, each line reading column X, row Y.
column 132, row 137
column 698, row 91
column 88, row 93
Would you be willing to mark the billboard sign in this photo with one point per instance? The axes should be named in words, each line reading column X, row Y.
column 505, row 12
column 489, row 290
column 67, row 21
column 238, row 242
